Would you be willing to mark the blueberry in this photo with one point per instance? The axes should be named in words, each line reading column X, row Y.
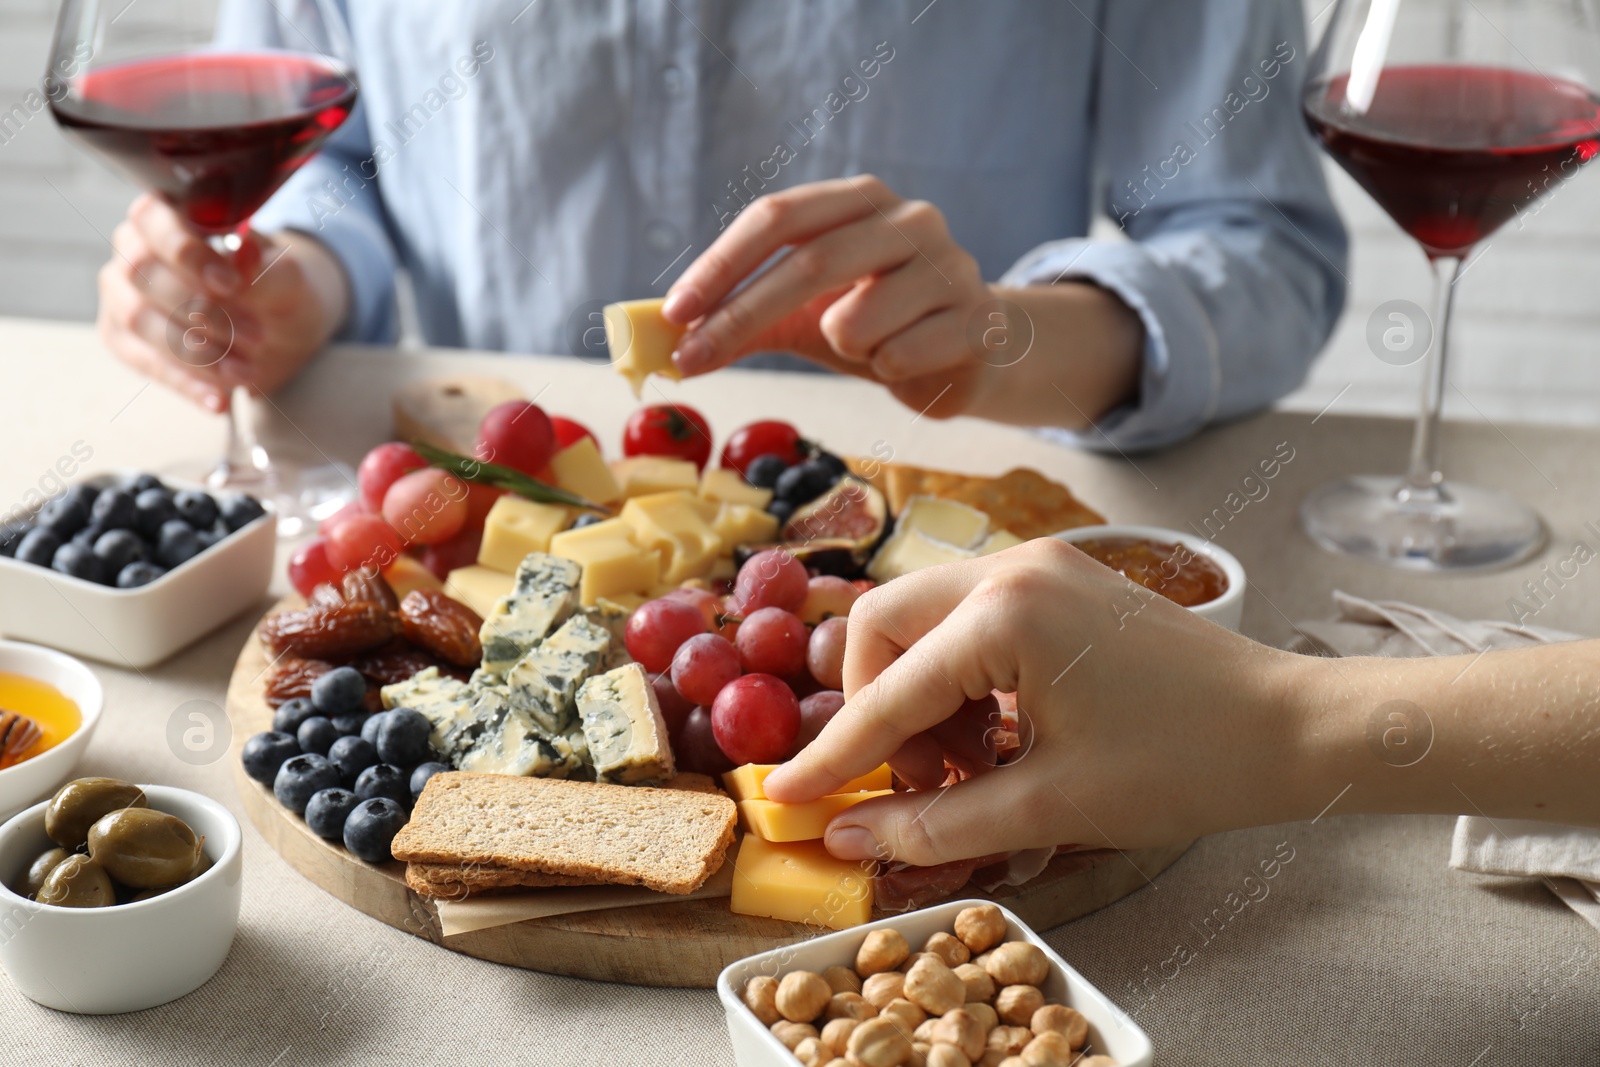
column 291, row 713
column 370, row 728
column 763, row 471
column 68, row 513
column 139, row 572
column 78, row 561
column 195, row 508
column 239, row 510
column 804, row 482
column 421, row 773
column 371, row 828
column 588, row 518
column 327, row 811
column 339, row 692
column 212, row 535
column 266, row 752
column 154, row 509
column 114, row 509
column 38, row 546
column 833, row 463
column 118, row 548
column 138, row 483
column 85, row 537
column 177, row 543
column 352, row 756
column 403, row 737
column 781, row 510
column 317, row 734
column 11, row 537
column 302, row 777
column 384, row 780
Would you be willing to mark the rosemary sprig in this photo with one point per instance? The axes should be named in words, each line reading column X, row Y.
column 477, row 471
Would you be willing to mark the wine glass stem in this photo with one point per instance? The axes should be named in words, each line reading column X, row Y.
column 1424, row 473
column 244, row 458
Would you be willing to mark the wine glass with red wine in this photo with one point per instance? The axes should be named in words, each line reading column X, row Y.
column 211, row 105
column 1455, row 116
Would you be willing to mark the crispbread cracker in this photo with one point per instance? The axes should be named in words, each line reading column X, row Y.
column 1021, row 500
column 442, row 881
column 670, row 840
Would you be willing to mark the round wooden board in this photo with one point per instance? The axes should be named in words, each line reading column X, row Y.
column 675, row 943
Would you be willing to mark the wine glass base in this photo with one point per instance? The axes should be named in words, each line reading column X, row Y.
column 301, row 497
column 1444, row 529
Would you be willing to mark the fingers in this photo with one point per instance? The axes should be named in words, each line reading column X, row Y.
column 889, row 303
column 180, row 249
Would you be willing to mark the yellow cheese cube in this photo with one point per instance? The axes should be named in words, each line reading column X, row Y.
column 407, row 574
column 629, row 602
column 670, row 524
column 724, row 484
column 748, row 782
column 644, row 475
column 477, row 587
column 641, row 341
column 949, row 521
column 612, row 567
column 741, row 524
column 579, row 469
column 800, row 882
column 999, row 541
column 605, row 530
column 771, row 821
column 515, row 527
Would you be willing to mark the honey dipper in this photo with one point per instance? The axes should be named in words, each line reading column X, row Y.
column 18, row 734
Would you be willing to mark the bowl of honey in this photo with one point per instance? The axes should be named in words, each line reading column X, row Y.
column 1188, row 570
column 49, row 706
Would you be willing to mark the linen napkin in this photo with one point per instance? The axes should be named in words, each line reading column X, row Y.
column 1565, row 858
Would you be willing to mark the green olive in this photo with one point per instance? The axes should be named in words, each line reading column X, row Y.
column 80, row 803
column 78, row 882
column 143, row 848
column 202, row 864
column 39, row 870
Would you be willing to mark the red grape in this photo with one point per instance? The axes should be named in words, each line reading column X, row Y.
column 674, row 709
column 760, row 438
column 815, row 711
column 309, row 567
column 825, row 652
column 358, row 506
column 361, row 541
column 772, row 641
column 480, row 498
column 426, row 506
column 771, row 578
column 569, row 432
column 381, row 467
column 656, row 630
column 702, row 666
column 755, row 719
column 703, row 600
column 827, row 596
column 696, row 748
column 517, row 434
column 675, row 430
column 460, row 551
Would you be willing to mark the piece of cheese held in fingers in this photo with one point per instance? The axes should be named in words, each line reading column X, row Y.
column 641, row 342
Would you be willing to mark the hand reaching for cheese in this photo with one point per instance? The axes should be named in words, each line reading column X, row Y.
column 1146, row 725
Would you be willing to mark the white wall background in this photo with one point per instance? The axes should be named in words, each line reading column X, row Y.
column 1528, row 318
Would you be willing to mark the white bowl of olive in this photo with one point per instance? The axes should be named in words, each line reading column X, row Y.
column 142, row 879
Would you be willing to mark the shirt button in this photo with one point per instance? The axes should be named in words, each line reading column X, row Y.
column 673, row 81
column 661, row 236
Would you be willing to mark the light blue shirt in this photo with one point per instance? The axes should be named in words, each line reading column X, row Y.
column 526, row 162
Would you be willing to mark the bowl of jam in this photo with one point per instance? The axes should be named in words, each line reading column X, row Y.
column 1188, row 570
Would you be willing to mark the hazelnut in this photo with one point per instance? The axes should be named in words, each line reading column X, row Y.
column 1018, row 963
column 883, row 950
column 919, row 1055
column 906, row 1014
column 792, row 1033
column 883, row 987
column 1015, row 1061
column 1063, row 1020
column 837, row 1032
column 1009, row 1040
column 879, row 1043
column 963, row 1030
column 811, row 1052
column 802, row 995
column 761, row 997
column 941, row 1055
column 934, row 988
column 849, row 1006
column 911, row 960
column 1049, row 1049
column 924, row 1030
column 1096, row 1061
column 980, row 986
column 992, row 1058
column 948, row 948
column 980, row 927
column 842, row 1062
column 987, row 1017
column 1017, row 1003
column 842, row 979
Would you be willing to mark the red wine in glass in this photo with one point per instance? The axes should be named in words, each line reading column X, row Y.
column 1453, row 152
column 213, row 133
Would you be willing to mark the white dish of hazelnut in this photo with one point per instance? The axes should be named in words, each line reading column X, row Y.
column 958, row 985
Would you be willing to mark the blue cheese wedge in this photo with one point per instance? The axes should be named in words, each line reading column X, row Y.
column 449, row 704
column 623, row 725
column 511, row 744
column 614, row 618
column 544, row 594
column 545, row 682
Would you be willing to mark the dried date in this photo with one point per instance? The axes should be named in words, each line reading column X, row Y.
column 292, row 676
column 445, row 627
column 329, row 632
column 370, row 586
column 394, row 662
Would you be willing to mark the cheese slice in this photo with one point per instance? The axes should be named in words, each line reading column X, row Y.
column 579, row 469
column 949, row 521
column 622, row 723
column 407, row 574
column 801, row 883
column 643, row 475
column 910, row 549
column 772, row 821
column 671, row 525
column 641, row 341
column 543, row 593
column 604, row 530
column 999, row 541
column 723, row 484
column 742, row 524
column 749, row 782
column 515, row 527
column 545, row 682
column 479, row 588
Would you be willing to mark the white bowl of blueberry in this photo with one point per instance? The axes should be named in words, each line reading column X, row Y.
column 128, row 569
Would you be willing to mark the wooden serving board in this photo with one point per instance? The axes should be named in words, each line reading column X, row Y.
column 675, row 943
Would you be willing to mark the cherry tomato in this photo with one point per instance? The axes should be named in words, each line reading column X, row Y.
column 309, row 567
column 381, row 467
column 569, row 432
column 760, row 438
column 517, row 434
column 668, row 430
